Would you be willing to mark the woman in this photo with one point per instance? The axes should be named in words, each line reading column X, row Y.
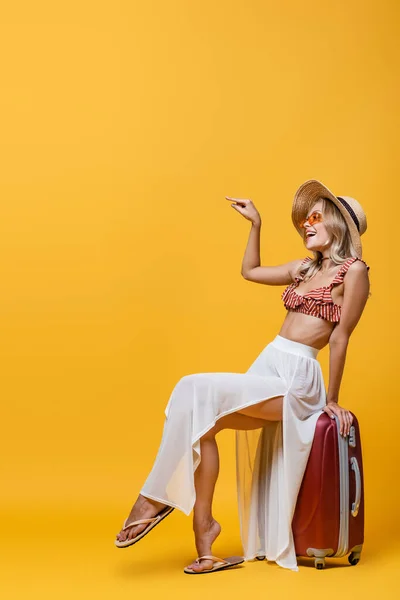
column 275, row 405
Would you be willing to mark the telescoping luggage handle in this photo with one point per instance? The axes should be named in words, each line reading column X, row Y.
column 344, row 488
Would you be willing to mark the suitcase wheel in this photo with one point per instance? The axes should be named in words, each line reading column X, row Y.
column 354, row 557
column 319, row 563
column 260, row 557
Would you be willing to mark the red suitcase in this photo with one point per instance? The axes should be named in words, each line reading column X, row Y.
column 329, row 515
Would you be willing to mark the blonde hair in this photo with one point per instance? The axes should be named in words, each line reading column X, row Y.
column 341, row 246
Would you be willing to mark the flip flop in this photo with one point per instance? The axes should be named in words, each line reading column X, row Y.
column 220, row 563
column 151, row 523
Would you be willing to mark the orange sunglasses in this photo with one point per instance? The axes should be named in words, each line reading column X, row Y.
column 315, row 217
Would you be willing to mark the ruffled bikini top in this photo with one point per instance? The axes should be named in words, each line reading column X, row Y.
column 318, row 302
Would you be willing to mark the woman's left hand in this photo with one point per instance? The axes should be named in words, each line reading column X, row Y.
column 345, row 417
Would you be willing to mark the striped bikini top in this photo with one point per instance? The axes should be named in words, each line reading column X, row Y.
column 318, row 302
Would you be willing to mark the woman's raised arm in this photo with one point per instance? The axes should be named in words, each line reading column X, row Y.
column 251, row 269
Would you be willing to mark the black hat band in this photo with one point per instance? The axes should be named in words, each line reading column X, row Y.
column 351, row 211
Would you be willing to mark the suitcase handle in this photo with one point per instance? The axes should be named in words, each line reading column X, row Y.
column 356, row 504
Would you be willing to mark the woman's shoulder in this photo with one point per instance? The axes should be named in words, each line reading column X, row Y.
column 356, row 264
column 297, row 267
column 359, row 269
column 300, row 262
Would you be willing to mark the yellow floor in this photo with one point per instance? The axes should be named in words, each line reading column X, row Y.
column 66, row 553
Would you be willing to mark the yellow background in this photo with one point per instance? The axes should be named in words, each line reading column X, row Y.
column 123, row 126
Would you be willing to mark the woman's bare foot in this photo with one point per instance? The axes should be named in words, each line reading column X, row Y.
column 206, row 531
column 142, row 509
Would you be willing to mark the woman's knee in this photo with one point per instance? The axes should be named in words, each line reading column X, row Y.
column 219, row 426
column 270, row 409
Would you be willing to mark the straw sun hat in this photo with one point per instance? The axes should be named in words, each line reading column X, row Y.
column 311, row 191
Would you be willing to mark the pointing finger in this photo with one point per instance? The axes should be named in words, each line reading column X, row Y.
column 242, row 200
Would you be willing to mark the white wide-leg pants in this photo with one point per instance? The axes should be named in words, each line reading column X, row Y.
column 270, row 461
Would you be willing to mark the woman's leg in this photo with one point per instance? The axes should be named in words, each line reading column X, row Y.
column 206, row 528
column 205, row 478
column 270, row 410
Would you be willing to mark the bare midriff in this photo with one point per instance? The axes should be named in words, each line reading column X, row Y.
column 310, row 330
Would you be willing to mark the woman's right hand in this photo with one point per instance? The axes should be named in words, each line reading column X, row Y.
column 246, row 208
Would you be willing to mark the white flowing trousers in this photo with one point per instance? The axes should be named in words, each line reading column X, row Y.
column 270, row 461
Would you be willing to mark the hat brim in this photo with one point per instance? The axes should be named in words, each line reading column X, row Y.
column 308, row 194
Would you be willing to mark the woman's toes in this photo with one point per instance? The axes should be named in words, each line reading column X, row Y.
column 133, row 532
column 203, row 565
column 143, row 509
column 122, row 536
